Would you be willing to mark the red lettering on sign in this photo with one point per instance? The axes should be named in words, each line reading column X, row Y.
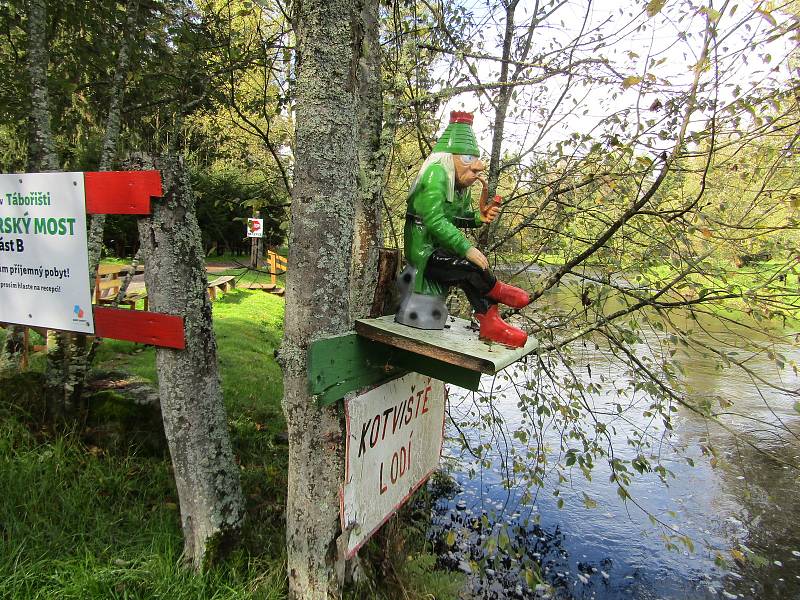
column 419, row 397
column 383, row 486
column 399, row 465
column 385, row 421
column 374, row 430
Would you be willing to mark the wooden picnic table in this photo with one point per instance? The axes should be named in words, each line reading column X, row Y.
column 108, row 281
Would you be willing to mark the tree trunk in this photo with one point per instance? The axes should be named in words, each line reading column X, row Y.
column 207, row 478
column 501, row 110
column 113, row 126
column 317, row 291
column 256, row 246
column 42, row 157
column 368, row 235
column 42, row 152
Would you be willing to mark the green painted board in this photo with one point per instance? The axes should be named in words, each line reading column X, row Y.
column 349, row 362
column 457, row 344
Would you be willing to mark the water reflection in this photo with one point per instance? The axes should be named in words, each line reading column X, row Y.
column 737, row 505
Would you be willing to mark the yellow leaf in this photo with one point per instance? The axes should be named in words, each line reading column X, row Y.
column 630, row 81
column 451, row 538
column 738, row 556
column 768, row 16
column 702, row 65
column 654, row 7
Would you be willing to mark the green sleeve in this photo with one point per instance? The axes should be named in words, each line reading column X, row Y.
column 429, row 204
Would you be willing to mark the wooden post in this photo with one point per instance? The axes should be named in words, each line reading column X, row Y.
column 388, row 261
column 256, row 245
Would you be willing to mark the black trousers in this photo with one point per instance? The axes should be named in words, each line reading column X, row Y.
column 449, row 270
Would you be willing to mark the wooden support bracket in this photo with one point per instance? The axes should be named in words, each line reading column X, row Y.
column 349, row 362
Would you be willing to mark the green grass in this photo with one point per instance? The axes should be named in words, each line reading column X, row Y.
column 80, row 522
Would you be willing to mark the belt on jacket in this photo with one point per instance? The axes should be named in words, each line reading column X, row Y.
column 457, row 221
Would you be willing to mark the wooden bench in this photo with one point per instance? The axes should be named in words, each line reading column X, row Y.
column 223, row 284
column 108, row 282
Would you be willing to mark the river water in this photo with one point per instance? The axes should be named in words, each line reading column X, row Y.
column 739, row 509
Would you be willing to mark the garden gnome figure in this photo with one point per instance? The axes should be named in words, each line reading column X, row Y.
column 439, row 255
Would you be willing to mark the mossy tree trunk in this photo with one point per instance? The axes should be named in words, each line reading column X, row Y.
column 42, row 157
column 67, row 360
column 318, row 282
column 207, row 477
column 368, row 231
column 113, row 126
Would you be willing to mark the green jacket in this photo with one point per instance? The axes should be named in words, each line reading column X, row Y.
column 432, row 223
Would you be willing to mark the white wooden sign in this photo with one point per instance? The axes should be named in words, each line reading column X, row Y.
column 255, row 228
column 394, row 441
column 44, row 261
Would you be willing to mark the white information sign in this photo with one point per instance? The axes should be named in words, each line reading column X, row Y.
column 44, row 262
column 394, row 441
column 255, row 227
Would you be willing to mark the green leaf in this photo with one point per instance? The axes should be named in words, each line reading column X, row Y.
column 531, row 579
column 654, row 7
column 503, row 541
column 491, row 546
column 588, row 501
column 797, row 406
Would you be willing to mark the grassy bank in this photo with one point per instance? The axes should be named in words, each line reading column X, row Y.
column 80, row 521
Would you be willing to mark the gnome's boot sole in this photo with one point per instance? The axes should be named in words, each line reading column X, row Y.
column 494, row 329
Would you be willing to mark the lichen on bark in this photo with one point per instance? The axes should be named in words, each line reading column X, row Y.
column 195, row 423
column 318, row 282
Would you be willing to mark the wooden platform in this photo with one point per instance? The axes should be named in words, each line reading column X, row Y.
column 272, row 288
column 457, row 344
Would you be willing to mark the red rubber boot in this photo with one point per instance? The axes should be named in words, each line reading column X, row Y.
column 509, row 295
column 494, row 329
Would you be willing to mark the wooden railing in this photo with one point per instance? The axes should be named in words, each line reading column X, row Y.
column 276, row 265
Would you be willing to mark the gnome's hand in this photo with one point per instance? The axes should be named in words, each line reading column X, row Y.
column 489, row 213
column 477, row 258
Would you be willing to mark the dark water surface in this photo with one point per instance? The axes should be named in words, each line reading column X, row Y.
column 742, row 512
